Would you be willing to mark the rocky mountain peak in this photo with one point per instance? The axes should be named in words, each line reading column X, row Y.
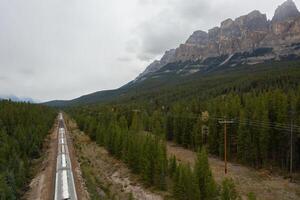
column 229, row 29
column 227, row 23
column 285, row 11
column 169, row 56
column 254, row 21
column 198, row 38
column 244, row 35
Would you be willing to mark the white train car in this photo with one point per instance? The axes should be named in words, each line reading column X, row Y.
column 65, row 186
column 64, row 183
column 63, row 160
column 63, row 149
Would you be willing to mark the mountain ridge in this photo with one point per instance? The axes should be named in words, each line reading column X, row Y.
column 244, row 34
column 15, row 98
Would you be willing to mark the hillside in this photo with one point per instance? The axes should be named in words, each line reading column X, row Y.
column 171, row 86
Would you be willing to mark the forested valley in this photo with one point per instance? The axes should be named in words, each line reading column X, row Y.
column 263, row 113
column 264, row 108
column 23, row 128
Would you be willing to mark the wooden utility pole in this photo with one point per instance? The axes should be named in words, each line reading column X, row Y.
column 292, row 113
column 291, row 152
column 225, row 122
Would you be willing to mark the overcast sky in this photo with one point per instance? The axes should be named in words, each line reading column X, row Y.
column 62, row 49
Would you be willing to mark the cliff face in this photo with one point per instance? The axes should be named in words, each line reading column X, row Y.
column 244, row 34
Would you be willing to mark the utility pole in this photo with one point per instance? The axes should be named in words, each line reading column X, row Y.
column 225, row 122
column 291, row 151
column 292, row 112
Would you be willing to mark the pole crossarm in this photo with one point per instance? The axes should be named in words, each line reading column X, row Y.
column 226, row 121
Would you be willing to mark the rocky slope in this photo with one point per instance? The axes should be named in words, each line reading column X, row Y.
column 168, row 57
column 250, row 39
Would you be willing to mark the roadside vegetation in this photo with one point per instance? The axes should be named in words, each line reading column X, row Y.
column 23, row 128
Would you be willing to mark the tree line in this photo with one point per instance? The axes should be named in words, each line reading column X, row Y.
column 260, row 135
column 23, row 127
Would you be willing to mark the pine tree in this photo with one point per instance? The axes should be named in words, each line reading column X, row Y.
column 158, row 125
column 161, row 164
column 157, row 129
column 92, row 128
column 178, row 187
column 244, row 141
column 264, row 139
column 169, row 128
column 100, row 135
column 118, row 142
column 251, row 196
column 203, row 174
column 148, row 162
column 130, row 197
column 186, row 130
column 197, row 140
column 123, row 124
column 136, row 123
column 185, row 184
column 172, row 165
column 228, row 190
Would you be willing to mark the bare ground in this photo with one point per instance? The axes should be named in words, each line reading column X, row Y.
column 108, row 177
column 264, row 185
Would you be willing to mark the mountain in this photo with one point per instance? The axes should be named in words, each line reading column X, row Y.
column 287, row 10
column 18, row 99
column 250, row 43
column 106, row 95
column 250, row 33
column 168, row 57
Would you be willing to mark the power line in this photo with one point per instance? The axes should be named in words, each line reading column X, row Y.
column 272, row 125
column 264, row 125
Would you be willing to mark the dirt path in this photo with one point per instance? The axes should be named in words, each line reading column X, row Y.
column 43, row 184
column 105, row 176
column 265, row 186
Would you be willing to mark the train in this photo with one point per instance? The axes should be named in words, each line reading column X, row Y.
column 64, row 183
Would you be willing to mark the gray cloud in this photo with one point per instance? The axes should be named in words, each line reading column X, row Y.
column 124, row 59
column 179, row 18
column 3, row 78
column 158, row 35
column 193, row 10
column 63, row 49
